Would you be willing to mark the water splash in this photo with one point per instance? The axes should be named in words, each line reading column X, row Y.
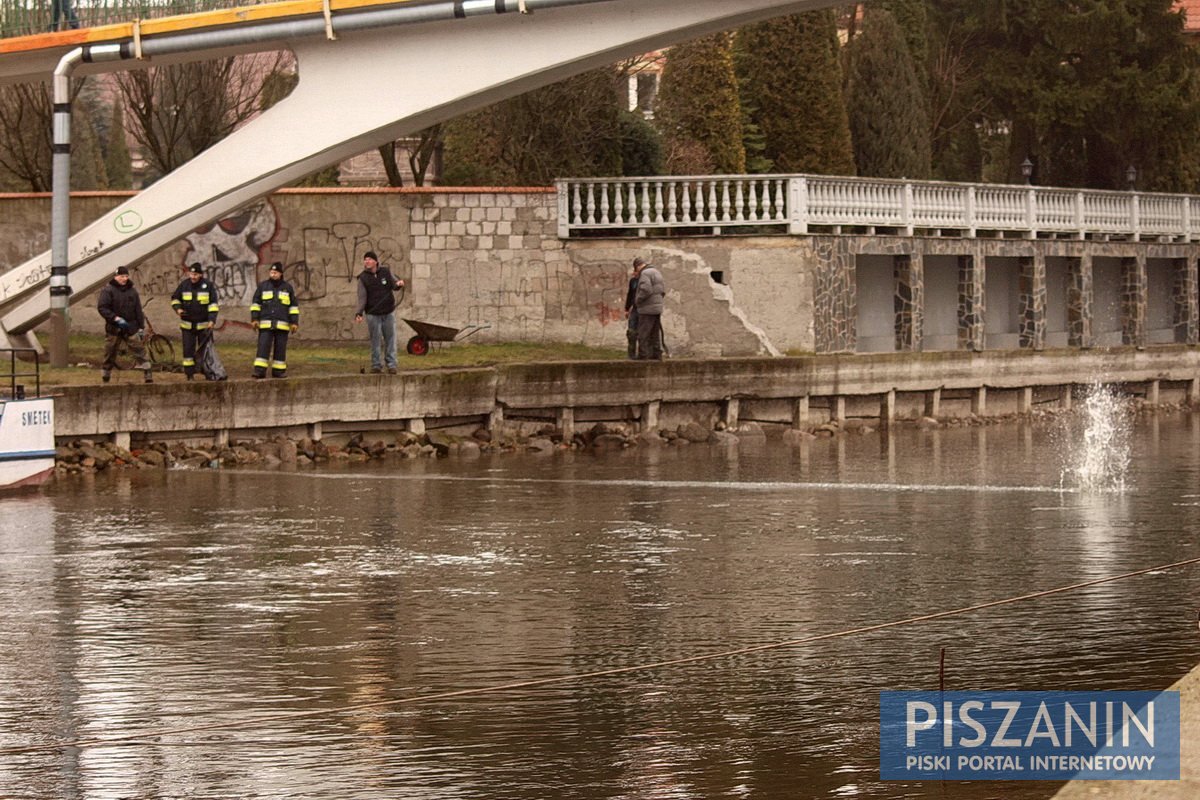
column 1098, row 442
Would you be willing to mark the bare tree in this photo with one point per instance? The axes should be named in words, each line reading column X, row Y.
column 422, row 155
column 391, row 165
column 181, row 110
column 422, row 150
column 26, row 134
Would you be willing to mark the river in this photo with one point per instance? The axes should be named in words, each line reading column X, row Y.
column 140, row 601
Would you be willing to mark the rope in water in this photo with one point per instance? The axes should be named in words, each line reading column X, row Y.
column 140, row 738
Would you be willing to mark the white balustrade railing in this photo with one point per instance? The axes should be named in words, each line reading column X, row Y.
column 799, row 204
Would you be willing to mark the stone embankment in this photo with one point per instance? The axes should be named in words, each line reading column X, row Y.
column 87, row 455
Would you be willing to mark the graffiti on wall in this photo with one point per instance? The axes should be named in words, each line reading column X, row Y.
column 527, row 298
column 235, row 247
column 521, row 293
column 325, row 259
column 231, row 249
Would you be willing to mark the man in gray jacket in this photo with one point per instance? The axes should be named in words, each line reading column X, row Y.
column 651, row 289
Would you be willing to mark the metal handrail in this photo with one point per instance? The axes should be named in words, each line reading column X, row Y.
column 16, row 391
column 27, row 17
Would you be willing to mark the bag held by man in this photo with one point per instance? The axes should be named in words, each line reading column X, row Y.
column 208, row 360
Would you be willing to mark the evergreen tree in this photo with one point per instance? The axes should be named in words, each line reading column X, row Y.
column 1087, row 90
column 791, row 86
column 87, row 153
column 913, row 18
column 957, row 106
column 641, row 146
column 888, row 116
column 570, row 128
column 754, row 142
column 698, row 109
column 117, row 162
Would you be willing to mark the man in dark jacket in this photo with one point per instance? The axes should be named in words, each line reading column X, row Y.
column 195, row 301
column 377, row 302
column 275, row 313
column 631, row 314
column 651, row 290
column 121, row 308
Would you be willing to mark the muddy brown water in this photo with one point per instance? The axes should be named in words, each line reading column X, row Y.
column 149, row 600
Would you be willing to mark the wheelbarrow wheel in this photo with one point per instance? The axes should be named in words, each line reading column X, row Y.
column 417, row 346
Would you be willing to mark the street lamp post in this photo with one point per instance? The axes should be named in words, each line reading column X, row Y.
column 1131, row 177
column 1027, row 170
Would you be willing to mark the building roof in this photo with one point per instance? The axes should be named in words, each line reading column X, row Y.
column 1192, row 7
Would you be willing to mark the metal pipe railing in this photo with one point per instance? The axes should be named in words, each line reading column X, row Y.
column 16, row 391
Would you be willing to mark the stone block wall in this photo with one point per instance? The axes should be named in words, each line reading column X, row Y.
column 492, row 257
column 470, row 257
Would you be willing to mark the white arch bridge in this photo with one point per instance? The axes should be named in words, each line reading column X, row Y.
column 370, row 72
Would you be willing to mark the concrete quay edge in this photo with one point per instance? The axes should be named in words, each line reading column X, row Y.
column 636, row 387
column 1188, row 785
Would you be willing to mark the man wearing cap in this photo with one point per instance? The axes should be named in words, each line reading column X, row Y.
column 631, row 314
column 195, row 301
column 121, row 308
column 275, row 314
column 651, row 291
column 377, row 303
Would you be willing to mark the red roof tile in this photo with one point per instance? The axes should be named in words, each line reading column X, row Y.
column 1192, row 7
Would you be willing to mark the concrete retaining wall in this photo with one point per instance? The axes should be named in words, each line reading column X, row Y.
column 795, row 391
column 493, row 257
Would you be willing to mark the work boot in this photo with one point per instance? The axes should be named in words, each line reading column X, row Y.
column 190, row 376
column 391, row 370
column 105, row 376
column 376, row 370
column 149, row 376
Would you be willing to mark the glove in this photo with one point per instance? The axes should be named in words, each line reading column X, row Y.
column 122, row 323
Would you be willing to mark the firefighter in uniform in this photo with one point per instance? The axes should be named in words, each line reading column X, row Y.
column 275, row 313
column 195, row 301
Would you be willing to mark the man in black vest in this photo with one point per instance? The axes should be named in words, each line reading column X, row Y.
column 377, row 302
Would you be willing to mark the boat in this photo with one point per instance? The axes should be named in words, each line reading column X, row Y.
column 26, row 426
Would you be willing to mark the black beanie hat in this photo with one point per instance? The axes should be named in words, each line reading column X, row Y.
column 371, row 255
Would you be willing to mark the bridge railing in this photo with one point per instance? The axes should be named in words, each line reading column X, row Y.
column 799, row 204
column 26, row 17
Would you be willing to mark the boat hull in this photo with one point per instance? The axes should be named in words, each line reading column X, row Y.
column 26, row 442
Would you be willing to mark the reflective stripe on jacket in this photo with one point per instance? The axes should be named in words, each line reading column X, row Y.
column 275, row 306
column 198, row 302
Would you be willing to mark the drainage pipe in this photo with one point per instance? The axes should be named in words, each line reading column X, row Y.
column 198, row 41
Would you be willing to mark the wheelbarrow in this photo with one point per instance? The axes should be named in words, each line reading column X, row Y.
column 427, row 332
